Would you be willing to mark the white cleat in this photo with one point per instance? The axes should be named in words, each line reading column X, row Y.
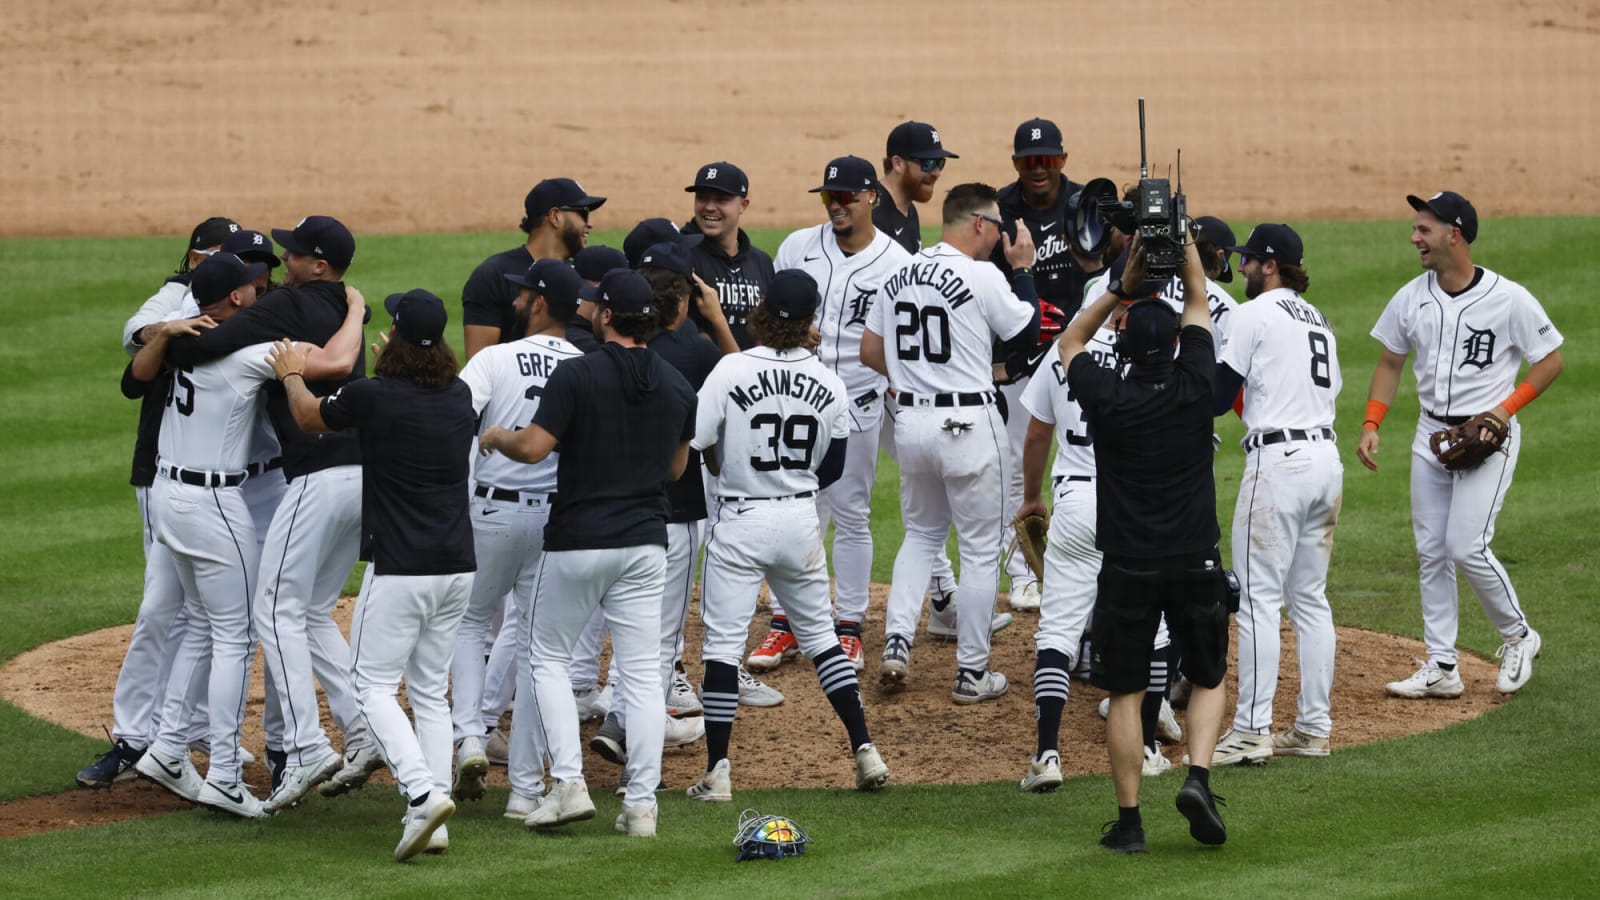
column 567, row 802
column 1044, row 774
column 1428, row 681
column 298, row 781
column 1156, row 762
column 716, row 786
column 420, row 823
column 754, row 693
column 681, row 698
column 872, row 772
column 233, row 798
column 593, row 703
column 1516, row 662
column 359, row 765
column 1240, row 748
column 683, row 732
column 1025, row 598
column 519, row 807
column 637, row 820
column 472, row 767
column 176, row 774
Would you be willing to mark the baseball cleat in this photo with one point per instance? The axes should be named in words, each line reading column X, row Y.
column 853, row 651
column 942, row 627
column 1295, row 742
column 176, row 774
column 1199, row 806
column 567, row 802
column 232, row 798
column 472, row 767
column 683, row 732
column 896, row 663
column 754, row 693
column 1428, row 681
column 593, row 703
column 519, row 806
column 1044, row 773
column 440, row 842
column 611, row 742
column 1113, row 836
column 777, row 646
column 420, row 823
column 1026, row 597
column 498, row 747
column 1516, row 661
column 114, row 765
column 299, row 780
column 681, row 698
column 637, row 820
column 976, row 687
column 716, row 786
column 359, row 764
column 1167, row 727
column 1155, row 762
column 872, row 772
column 1240, row 748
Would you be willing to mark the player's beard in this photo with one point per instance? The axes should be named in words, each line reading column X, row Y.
column 573, row 237
column 1253, row 284
column 845, row 230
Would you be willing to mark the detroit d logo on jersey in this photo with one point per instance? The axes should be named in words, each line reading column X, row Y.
column 1479, row 347
column 860, row 305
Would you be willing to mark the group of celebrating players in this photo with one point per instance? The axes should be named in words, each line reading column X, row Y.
column 632, row 408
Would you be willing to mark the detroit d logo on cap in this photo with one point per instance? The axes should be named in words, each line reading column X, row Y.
column 1037, row 134
column 833, row 171
column 934, row 133
column 711, row 172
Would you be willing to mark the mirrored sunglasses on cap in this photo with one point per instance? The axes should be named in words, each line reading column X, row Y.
column 843, row 198
column 1040, row 161
column 930, row 166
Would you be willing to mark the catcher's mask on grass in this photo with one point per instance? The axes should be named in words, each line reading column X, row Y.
column 768, row 837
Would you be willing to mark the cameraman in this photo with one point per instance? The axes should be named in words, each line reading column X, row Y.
column 1157, row 517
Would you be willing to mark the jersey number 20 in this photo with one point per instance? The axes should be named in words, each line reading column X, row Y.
column 797, row 436
column 921, row 332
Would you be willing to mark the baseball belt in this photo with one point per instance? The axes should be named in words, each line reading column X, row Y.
column 526, row 498
column 201, row 477
column 947, row 400
column 1268, row 438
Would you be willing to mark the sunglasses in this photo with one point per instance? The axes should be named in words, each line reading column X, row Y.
column 843, row 198
column 990, row 219
column 582, row 213
column 929, row 166
column 1039, row 162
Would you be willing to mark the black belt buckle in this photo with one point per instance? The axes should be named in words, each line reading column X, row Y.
column 865, row 400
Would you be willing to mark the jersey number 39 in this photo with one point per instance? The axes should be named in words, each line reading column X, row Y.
column 791, row 442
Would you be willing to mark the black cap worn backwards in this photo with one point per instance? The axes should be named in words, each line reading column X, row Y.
column 1148, row 331
column 1452, row 209
column 552, row 279
column 252, row 246
column 1273, row 240
column 558, row 193
column 721, row 176
column 220, row 275
column 1037, row 137
column 1213, row 230
column 650, row 232
column 321, row 236
column 419, row 316
column 595, row 260
column 916, row 140
column 625, row 292
column 668, row 255
column 848, row 173
column 792, row 295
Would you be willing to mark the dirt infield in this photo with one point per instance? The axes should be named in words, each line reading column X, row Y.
column 144, row 117
column 924, row 737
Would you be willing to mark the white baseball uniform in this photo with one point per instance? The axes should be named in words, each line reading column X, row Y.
column 510, row 509
column 1289, row 500
column 847, row 285
column 939, row 316
column 1217, row 299
column 1469, row 349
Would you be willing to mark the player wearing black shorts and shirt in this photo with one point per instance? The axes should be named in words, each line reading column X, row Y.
column 913, row 159
column 726, row 260
column 414, row 422
column 1157, row 529
column 556, row 221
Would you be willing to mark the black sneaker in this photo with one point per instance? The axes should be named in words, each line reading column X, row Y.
column 1199, row 806
column 114, row 765
column 611, row 742
column 1122, row 840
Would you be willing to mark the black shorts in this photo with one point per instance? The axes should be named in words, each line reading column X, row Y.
column 1191, row 590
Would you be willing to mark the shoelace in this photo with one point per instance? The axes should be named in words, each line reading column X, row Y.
column 748, row 680
column 1511, row 652
column 771, row 641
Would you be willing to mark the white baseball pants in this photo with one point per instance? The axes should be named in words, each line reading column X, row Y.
column 1289, row 500
column 1071, row 570
column 777, row 541
column 1016, row 435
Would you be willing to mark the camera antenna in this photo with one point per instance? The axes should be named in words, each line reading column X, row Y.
column 1180, row 170
column 1144, row 166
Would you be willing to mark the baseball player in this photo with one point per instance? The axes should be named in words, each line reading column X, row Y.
column 1214, row 240
column 511, row 506
column 913, row 160
column 943, row 311
column 1285, row 354
column 726, row 259
column 202, row 518
column 415, row 420
column 623, row 418
column 556, row 221
column 773, row 424
column 1038, row 198
column 1471, row 329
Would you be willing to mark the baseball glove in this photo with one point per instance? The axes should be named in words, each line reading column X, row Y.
column 1030, row 533
column 1464, row 447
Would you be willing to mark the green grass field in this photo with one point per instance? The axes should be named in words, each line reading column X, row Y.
column 1497, row 806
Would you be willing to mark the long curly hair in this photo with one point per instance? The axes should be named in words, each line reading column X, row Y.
column 424, row 366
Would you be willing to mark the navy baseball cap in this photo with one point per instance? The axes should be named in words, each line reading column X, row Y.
column 1148, row 331
column 916, row 140
column 1215, row 231
column 651, row 232
column 1273, row 240
column 252, row 246
column 419, row 316
column 212, row 232
column 558, row 283
column 1037, row 137
column 594, row 261
column 848, row 173
column 668, row 255
column 1452, row 209
column 625, row 291
column 559, row 193
column 721, row 176
column 220, row 275
column 792, row 295
column 321, row 236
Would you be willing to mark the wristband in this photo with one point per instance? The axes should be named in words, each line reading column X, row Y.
column 1022, row 272
column 1376, row 410
column 1519, row 398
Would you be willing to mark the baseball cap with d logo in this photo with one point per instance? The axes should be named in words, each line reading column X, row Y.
column 419, row 316
column 1452, row 209
column 321, row 236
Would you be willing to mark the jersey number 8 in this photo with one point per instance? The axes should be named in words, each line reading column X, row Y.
column 797, row 434
column 928, row 330
column 1320, row 357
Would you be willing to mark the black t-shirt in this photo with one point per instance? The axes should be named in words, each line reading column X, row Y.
column 618, row 416
column 487, row 297
column 1152, row 450
column 741, row 281
column 694, row 359
column 906, row 230
column 308, row 312
column 152, row 397
column 414, row 514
